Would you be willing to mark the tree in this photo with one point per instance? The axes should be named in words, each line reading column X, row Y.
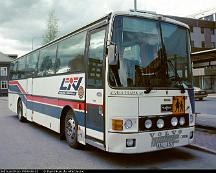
column 52, row 28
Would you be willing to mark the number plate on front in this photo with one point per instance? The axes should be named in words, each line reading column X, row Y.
column 165, row 141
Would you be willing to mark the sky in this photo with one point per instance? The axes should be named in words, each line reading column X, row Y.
column 23, row 22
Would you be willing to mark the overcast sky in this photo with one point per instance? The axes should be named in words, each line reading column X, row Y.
column 24, row 20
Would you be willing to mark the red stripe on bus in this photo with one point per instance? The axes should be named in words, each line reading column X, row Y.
column 43, row 100
column 19, row 86
column 56, row 102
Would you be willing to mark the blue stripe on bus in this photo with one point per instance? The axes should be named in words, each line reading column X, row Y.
column 53, row 111
column 14, row 88
column 49, row 110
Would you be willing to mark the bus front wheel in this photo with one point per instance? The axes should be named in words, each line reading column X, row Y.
column 71, row 130
column 20, row 111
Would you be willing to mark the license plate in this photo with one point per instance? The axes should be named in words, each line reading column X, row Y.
column 165, row 141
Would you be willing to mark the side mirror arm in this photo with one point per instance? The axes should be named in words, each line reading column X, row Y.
column 113, row 56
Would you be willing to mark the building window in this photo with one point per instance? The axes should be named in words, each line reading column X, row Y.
column 212, row 31
column 202, row 30
column 212, row 44
column 3, row 71
column 209, row 18
column 203, row 44
column 192, row 43
column 4, row 85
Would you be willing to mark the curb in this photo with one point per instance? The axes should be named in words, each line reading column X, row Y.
column 201, row 148
column 3, row 99
column 205, row 127
column 211, row 96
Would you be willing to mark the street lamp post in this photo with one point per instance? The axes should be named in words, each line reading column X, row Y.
column 33, row 38
column 135, row 5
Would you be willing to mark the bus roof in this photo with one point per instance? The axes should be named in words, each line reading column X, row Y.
column 144, row 14
column 151, row 15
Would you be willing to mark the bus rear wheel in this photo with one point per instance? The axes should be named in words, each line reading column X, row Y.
column 71, row 130
column 20, row 111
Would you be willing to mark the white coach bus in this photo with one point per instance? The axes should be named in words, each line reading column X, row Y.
column 122, row 83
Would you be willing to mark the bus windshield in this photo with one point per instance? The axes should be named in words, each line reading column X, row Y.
column 151, row 53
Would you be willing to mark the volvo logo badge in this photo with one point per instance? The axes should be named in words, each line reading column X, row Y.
column 166, row 108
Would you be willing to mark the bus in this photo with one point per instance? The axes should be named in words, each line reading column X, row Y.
column 122, row 83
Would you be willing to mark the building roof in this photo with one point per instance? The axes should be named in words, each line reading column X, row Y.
column 5, row 58
column 195, row 22
column 203, row 13
column 206, row 55
column 205, row 51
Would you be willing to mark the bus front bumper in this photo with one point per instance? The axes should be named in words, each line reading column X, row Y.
column 149, row 141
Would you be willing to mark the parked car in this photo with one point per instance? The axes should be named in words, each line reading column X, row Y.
column 200, row 93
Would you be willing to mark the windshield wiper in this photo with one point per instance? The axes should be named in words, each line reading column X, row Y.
column 148, row 89
column 176, row 78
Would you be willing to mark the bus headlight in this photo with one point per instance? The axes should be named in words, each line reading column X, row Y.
column 174, row 121
column 148, row 124
column 182, row 121
column 128, row 124
column 160, row 123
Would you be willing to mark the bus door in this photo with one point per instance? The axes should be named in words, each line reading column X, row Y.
column 31, row 69
column 28, row 96
column 95, row 86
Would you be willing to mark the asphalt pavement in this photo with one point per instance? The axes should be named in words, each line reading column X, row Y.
column 205, row 126
column 206, row 117
column 31, row 146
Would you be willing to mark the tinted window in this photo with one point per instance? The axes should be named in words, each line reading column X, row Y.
column 31, row 64
column 21, row 67
column 71, row 54
column 176, row 43
column 46, row 62
column 95, row 59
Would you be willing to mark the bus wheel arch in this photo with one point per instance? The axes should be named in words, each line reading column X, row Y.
column 20, row 110
column 69, row 127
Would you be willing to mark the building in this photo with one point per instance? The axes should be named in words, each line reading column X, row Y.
column 204, row 69
column 203, row 33
column 209, row 14
column 4, row 73
column 203, row 44
column 13, row 56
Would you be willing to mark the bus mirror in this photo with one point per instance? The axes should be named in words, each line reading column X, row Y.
column 112, row 54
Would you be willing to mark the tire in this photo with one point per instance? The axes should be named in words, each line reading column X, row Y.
column 20, row 112
column 71, row 130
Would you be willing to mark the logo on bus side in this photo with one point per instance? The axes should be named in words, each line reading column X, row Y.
column 70, row 86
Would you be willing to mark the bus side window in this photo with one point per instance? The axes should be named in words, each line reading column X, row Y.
column 46, row 62
column 31, row 64
column 21, row 67
column 70, row 56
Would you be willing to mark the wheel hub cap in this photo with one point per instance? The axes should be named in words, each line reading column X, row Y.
column 71, row 128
